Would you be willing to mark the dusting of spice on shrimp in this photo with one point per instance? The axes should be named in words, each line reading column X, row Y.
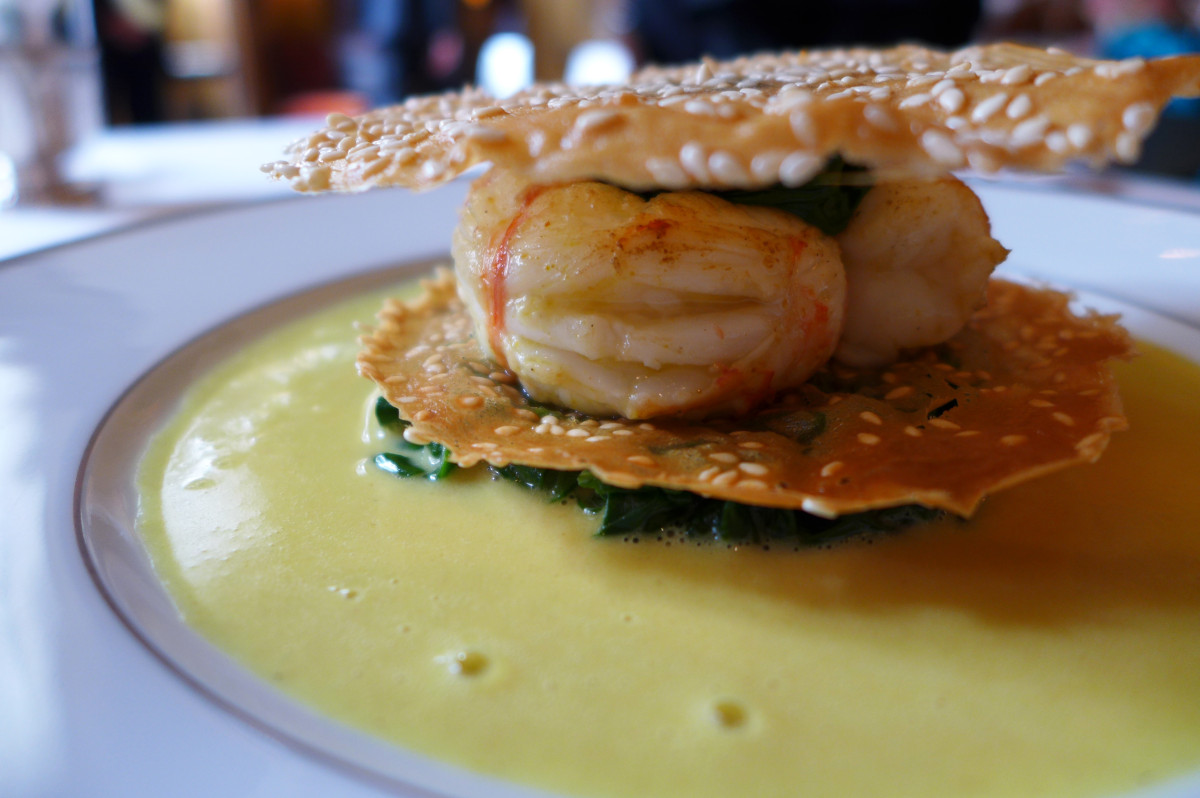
column 680, row 304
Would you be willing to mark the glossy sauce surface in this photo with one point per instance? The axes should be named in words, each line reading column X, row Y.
column 1047, row 647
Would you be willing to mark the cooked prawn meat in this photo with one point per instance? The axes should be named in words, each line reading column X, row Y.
column 682, row 304
column 917, row 254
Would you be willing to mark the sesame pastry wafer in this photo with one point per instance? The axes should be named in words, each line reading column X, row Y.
column 764, row 120
column 1023, row 390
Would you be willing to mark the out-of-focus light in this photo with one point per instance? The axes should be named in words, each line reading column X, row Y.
column 505, row 64
column 598, row 61
column 1178, row 253
column 8, row 181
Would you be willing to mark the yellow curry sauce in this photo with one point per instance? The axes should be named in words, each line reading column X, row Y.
column 1048, row 647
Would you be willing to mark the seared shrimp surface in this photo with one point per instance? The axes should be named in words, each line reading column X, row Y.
column 683, row 304
column 918, row 255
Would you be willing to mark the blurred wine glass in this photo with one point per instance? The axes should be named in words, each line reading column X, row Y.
column 49, row 97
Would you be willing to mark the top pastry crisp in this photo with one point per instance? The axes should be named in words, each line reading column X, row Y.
column 765, row 119
column 755, row 280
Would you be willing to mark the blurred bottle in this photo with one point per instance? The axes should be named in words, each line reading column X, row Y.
column 49, row 96
column 396, row 48
column 130, row 36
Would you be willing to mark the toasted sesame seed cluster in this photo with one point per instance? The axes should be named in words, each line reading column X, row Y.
column 764, row 119
column 1024, row 390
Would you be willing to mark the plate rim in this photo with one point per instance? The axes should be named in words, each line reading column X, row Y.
column 444, row 780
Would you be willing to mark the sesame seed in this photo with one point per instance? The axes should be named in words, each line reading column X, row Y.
column 803, row 127
column 667, row 172
column 752, row 484
column 1138, row 118
column 816, row 507
column 967, row 433
column 880, row 117
column 489, row 135
column 755, row 469
column 750, row 445
column 694, row 160
column 622, row 433
column 829, row 469
column 942, row 423
column 899, row 393
column 799, row 167
column 944, row 85
column 315, row 177
column 1040, row 403
column 432, row 170
column 374, row 167
column 1017, row 75
column 578, row 432
column 868, row 439
column 1057, row 142
column 595, row 120
column 914, row 100
column 340, row 122
column 708, row 473
column 941, row 148
column 723, row 457
column 727, row 169
column 765, row 165
column 724, row 478
column 1013, row 440
column 984, row 109
column 1029, row 132
column 1128, row 147
column 1063, row 418
column 1019, row 108
column 952, row 99
column 411, row 435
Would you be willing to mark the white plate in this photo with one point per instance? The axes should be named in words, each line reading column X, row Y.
column 85, row 707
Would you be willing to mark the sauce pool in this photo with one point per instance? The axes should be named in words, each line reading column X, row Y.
column 1048, row 647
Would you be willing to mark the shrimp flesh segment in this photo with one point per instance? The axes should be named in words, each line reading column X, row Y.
column 682, row 304
column 917, row 254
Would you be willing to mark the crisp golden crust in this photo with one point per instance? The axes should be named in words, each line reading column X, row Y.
column 1022, row 391
column 764, row 119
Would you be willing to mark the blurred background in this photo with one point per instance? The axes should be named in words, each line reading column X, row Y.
column 84, row 83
